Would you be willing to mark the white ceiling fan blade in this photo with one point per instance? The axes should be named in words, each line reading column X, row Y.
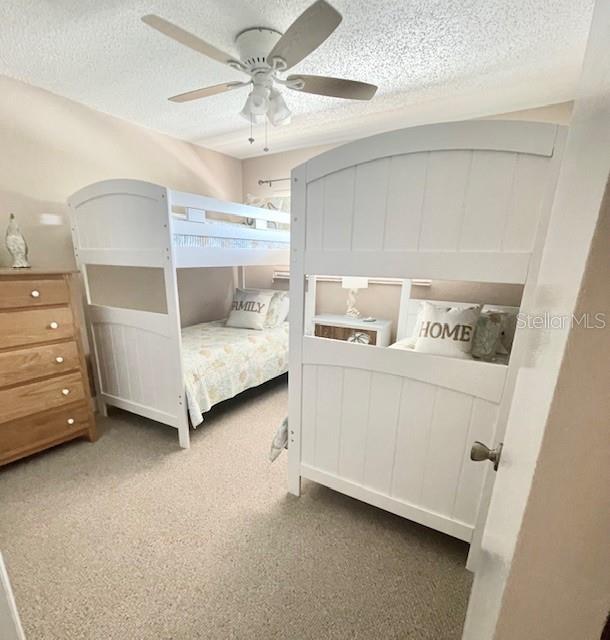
column 334, row 87
column 306, row 33
column 188, row 39
column 207, row 91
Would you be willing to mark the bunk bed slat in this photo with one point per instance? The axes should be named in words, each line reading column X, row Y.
column 405, row 198
column 443, row 204
column 487, row 202
column 384, row 404
column 370, row 198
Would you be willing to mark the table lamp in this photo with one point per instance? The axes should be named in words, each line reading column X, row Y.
column 353, row 283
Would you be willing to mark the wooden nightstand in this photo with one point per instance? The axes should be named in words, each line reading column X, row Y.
column 342, row 327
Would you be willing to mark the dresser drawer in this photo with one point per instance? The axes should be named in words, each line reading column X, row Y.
column 20, row 328
column 33, row 433
column 27, row 399
column 22, row 365
column 26, row 292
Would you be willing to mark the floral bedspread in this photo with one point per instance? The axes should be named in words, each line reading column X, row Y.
column 219, row 362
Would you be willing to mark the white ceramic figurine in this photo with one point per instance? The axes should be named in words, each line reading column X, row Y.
column 16, row 244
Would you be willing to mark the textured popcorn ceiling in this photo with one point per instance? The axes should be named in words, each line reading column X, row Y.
column 433, row 60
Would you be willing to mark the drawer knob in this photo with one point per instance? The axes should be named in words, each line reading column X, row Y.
column 65, row 391
column 35, row 293
column 59, row 359
column 54, row 325
column 70, row 421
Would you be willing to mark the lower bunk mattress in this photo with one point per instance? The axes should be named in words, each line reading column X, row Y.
column 219, row 362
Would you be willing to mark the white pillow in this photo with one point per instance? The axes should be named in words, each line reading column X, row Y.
column 278, row 309
column 447, row 331
column 249, row 309
column 405, row 343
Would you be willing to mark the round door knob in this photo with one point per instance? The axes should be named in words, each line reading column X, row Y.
column 65, row 391
column 70, row 421
column 480, row 451
column 59, row 359
column 35, row 293
column 54, row 325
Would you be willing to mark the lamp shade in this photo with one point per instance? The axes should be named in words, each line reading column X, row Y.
column 257, row 103
column 354, row 282
column 278, row 112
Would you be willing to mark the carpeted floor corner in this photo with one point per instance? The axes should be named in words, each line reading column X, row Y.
column 132, row 538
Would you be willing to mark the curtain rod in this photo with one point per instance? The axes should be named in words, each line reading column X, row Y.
column 271, row 181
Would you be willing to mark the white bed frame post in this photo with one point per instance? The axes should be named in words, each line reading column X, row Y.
column 132, row 349
column 173, row 312
column 297, row 324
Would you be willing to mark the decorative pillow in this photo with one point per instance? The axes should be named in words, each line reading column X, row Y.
column 447, row 331
column 278, row 309
column 405, row 343
column 249, row 309
column 508, row 320
column 486, row 341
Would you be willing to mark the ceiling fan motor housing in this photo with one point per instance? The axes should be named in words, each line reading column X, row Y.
column 254, row 44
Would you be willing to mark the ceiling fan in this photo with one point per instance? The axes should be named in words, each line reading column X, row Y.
column 265, row 54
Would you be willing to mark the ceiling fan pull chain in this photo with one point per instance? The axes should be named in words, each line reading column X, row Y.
column 266, row 148
column 251, row 138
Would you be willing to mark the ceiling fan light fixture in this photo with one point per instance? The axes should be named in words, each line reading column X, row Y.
column 256, row 105
column 265, row 54
column 258, row 100
column 278, row 111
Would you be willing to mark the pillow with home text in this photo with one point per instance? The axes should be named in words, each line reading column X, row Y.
column 447, row 331
column 249, row 309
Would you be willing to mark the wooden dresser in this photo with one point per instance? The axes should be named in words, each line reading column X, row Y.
column 44, row 388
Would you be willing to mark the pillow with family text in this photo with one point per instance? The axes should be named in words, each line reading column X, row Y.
column 249, row 309
column 447, row 331
column 277, row 313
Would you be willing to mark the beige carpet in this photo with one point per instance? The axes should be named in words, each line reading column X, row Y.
column 132, row 538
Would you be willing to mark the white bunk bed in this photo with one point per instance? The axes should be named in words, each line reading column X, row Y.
column 139, row 355
column 462, row 201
